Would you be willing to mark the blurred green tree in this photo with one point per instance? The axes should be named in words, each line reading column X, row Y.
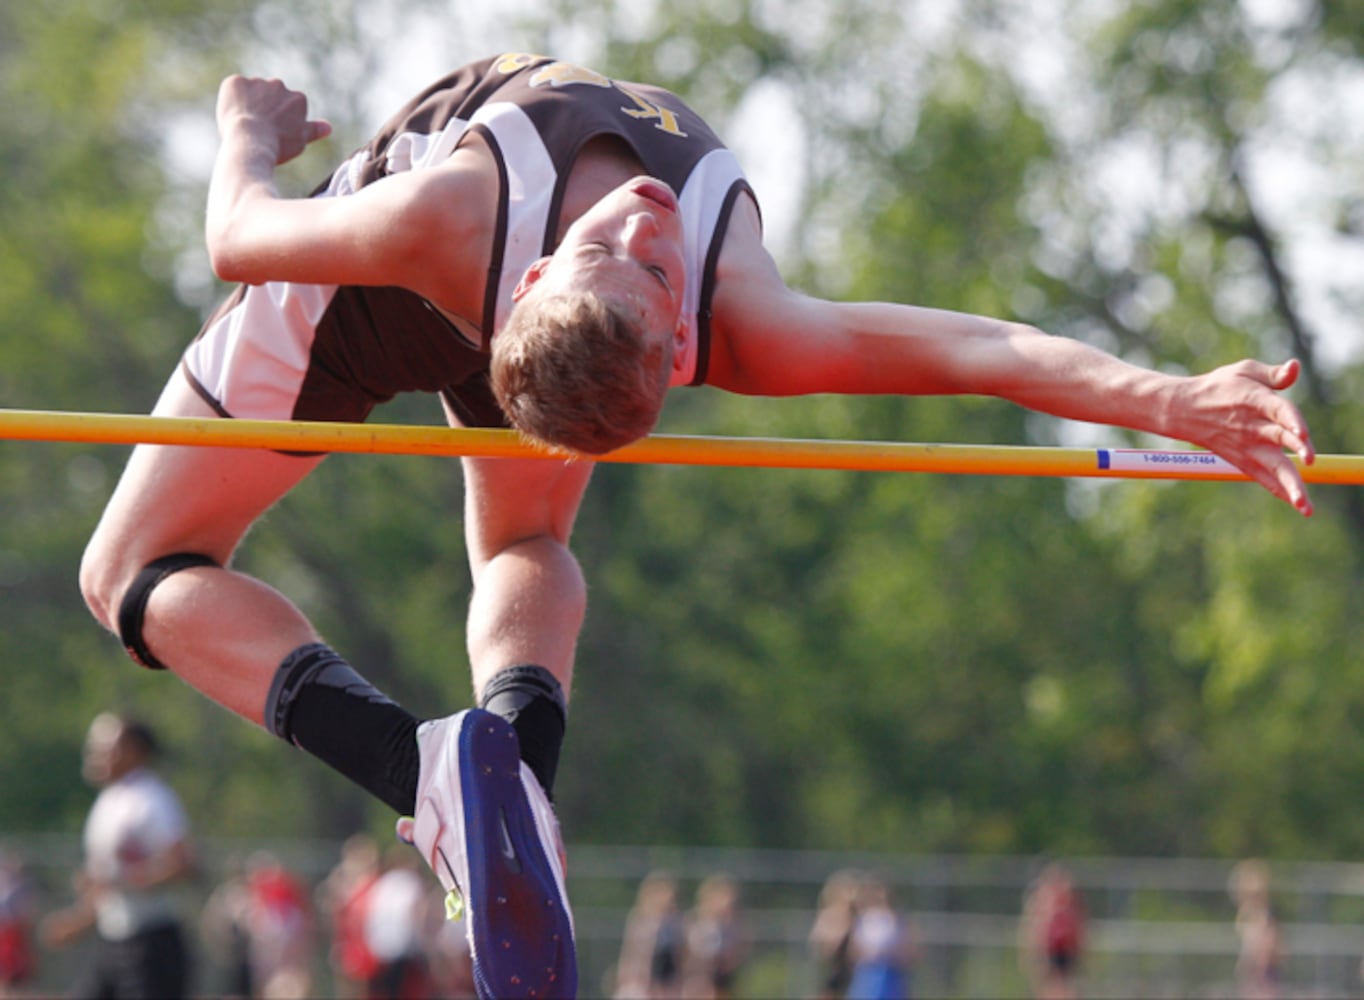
column 774, row 658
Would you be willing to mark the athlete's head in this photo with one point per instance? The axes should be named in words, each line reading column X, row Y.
column 585, row 357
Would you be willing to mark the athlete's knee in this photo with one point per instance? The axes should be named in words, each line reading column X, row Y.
column 122, row 607
column 102, row 582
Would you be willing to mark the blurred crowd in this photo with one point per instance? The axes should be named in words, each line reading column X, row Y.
column 383, row 929
column 373, row 928
column 667, row 952
column 260, row 930
column 258, row 933
column 381, row 925
column 862, row 947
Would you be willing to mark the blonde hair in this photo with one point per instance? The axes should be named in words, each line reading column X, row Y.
column 573, row 372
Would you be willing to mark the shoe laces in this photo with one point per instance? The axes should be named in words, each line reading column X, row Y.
column 454, row 899
column 454, row 905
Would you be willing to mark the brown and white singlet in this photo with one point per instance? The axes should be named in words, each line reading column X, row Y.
column 325, row 352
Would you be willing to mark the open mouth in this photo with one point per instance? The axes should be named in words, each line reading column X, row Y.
column 657, row 192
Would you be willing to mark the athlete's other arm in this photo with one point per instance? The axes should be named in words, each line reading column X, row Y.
column 770, row 340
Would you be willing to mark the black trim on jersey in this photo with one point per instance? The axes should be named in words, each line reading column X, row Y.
column 207, row 397
column 198, row 387
column 703, row 310
column 556, row 201
column 490, row 293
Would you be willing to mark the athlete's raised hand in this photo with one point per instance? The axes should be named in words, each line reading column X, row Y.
column 270, row 113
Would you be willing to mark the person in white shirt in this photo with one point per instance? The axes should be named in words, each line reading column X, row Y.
column 398, row 930
column 137, row 845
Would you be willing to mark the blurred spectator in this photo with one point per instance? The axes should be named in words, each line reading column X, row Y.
column 716, row 941
column 279, row 930
column 1053, row 934
column 399, row 926
column 831, row 935
column 882, row 947
column 16, row 926
column 652, row 950
column 137, row 844
column 225, row 929
column 1260, row 962
column 342, row 898
column 452, row 967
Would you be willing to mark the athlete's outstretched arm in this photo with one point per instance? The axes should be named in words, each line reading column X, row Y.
column 769, row 340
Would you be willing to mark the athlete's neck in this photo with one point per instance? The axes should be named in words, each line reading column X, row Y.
column 604, row 164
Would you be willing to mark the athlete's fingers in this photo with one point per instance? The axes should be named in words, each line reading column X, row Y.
column 1282, row 478
column 1294, row 434
column 1279, row 376
column 1299, row 444
column 1295, row 490
column 1287, row 432
column 1284, row 375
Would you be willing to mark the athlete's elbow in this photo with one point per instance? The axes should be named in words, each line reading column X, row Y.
column 227, row 268
column 236, row 238
column 225, row 257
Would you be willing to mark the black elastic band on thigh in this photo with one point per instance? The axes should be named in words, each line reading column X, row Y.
column 134, row 604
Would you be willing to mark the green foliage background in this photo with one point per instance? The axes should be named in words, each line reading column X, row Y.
column 786, row 659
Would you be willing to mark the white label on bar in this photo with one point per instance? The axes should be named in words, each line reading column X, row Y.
column 1186, row 463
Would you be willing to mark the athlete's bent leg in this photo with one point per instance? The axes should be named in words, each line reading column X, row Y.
column 222, row 631
column 156, row 572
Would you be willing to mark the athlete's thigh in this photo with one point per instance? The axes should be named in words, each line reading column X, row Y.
column 174, row 498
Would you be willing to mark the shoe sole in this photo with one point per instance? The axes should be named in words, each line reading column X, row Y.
column 521, row 928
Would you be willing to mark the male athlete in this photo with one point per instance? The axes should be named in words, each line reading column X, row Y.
column 546, row 248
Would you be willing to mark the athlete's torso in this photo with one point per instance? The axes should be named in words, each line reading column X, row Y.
column 536, row 118
column 555, row 136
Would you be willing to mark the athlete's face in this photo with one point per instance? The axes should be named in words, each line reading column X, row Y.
column 628, row 249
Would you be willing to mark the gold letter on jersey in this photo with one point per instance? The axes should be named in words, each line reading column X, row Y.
column 561, row 74
column 666, row 120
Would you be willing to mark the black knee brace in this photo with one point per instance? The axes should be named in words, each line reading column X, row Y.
column 134, row 604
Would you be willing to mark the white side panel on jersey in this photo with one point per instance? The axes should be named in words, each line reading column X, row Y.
column 253, row 359
column 531, row 182
column 699, row 203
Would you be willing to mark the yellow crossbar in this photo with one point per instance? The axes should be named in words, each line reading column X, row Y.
column 667, row 449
